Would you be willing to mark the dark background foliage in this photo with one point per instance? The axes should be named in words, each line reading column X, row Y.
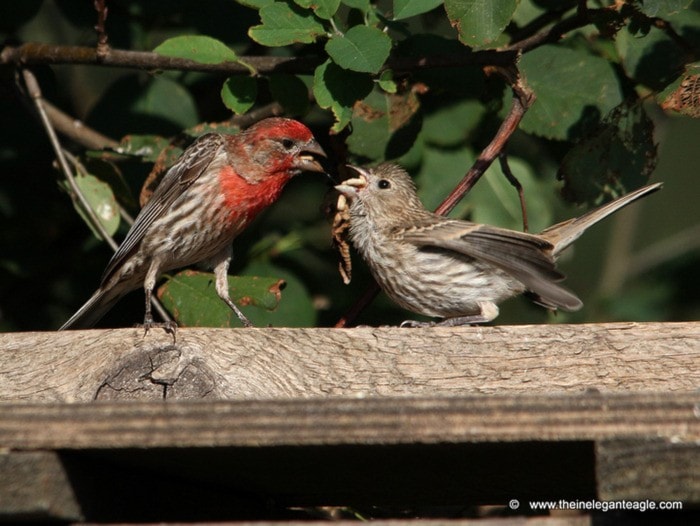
column 598, row 116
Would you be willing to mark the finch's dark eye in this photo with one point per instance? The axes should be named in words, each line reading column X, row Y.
column 288, row 144
column 383, row 184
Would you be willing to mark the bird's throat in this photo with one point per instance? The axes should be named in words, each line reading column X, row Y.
column 245, row 199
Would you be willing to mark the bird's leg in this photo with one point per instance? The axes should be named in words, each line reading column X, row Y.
column 148, row 284
column 488, row 311
column 220, row 262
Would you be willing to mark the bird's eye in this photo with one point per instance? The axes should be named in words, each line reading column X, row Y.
column 288, row 144
column 383, row 184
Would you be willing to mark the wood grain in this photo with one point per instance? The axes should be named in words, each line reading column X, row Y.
column 333, row 421
column 278, row 363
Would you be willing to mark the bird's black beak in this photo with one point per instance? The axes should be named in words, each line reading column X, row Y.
column 307, row 159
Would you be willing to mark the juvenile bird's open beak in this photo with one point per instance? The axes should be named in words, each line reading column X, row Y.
column 350, row 187
column 306, row 160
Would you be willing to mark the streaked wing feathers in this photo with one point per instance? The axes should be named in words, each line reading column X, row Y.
column 189, row 167
column 525, row 257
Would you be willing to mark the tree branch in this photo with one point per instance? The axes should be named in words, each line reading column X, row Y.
column 581, row 18
column 523, row 98
column 77, row 130
column 33, row 53
column 36, row 53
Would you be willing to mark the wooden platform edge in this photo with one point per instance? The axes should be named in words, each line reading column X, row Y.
column 353, row 421
column 279, row 363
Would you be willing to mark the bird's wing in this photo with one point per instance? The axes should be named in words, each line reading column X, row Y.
column 189, row 167
column 526, row 257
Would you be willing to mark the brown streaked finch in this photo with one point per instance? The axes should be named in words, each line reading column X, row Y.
column 453, row 269
column 207, row 198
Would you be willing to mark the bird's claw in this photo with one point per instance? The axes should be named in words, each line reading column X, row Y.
column 169, row 326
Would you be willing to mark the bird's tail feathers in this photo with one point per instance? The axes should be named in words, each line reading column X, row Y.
column 93, row 310
column 564, row 234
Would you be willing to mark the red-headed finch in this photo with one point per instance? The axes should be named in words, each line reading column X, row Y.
column 206, row 199
column 453, row 269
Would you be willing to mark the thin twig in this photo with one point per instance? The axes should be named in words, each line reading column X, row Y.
column 102, row 39
column 523, row 98
column 77, row 193
column 539, row 23
column 80, row 168
column 77, row 130
column 34, row 92
column 273, row 109
column 38, row 53
column 34, row 53
column 505, row 168
column 581, row 18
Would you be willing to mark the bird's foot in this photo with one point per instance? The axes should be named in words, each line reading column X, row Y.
column 488, row 311
column 169, row 326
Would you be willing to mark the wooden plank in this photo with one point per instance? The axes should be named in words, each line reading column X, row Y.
column 34, row 486
column 667, row 469
column 239, row 364
column 334, row 421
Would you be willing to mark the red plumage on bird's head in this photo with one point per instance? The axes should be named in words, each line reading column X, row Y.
column 275, row 147
column 263, row 158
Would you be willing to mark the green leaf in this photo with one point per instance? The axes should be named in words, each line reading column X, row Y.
column 451, row 123
column 655, row 59
column 574, row 90
column 386, row 81
column 408, row 8
column 101, row 199
column 239, row 93
column 202, row 49
column 291, row 92
column 362, row 5
column 323, row 8
column 145, row 105
column 295, row 308
column 440, row 171
column 109, row 172
column 190, row 296
column 145, row 147
column 663, row 8
column 617, row 157
column 480, row 22
column 362, row 48
column 493, row 200
column 384, row 126
column 284, row 24
column 338, row 89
